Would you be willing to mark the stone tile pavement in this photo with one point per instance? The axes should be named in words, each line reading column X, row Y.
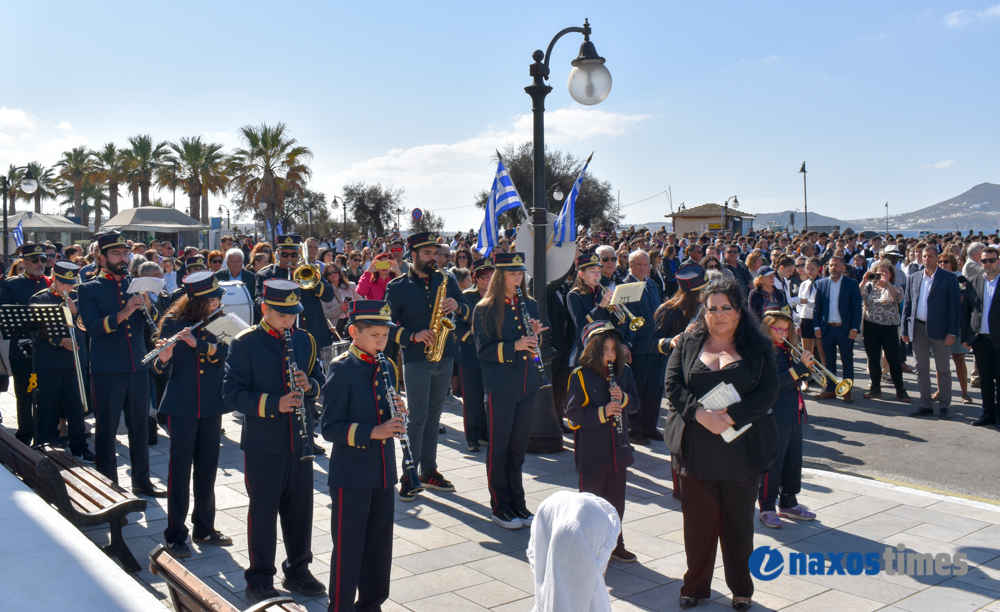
column 449, row 556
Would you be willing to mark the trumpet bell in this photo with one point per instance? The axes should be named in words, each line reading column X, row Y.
column 636, row 323
column 306, row 276
column 844, row 387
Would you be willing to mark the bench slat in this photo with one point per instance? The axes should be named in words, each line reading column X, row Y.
column 186, row 589
column 87, row 475
column 77, row 491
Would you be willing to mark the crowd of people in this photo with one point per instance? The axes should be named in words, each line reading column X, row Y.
column 756, row 312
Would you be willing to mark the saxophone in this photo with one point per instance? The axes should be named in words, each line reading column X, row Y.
column 440, row 324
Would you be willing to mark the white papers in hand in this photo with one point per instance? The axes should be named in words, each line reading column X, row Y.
column 723, row 396
column 146, row 283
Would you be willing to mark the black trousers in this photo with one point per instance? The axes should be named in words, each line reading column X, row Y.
column 718, row 512
column 194, row 443
column 649, row 370
column 21, row 369
column 609, row 486
column 473, row 397
column 113, row 394
column 279, row 486
column 834, row 339
column 510, row 424
column 879, row 340
column 784, row 480
column 988, row 362
column 58, row 392
column 361, row 526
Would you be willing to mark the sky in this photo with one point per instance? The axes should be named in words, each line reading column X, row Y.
column 885, row 101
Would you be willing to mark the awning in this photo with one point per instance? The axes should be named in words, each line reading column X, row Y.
column 153, row 219
column 38, row 222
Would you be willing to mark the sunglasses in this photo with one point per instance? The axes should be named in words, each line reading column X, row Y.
column 988, row 261
column 265, row 251
column 396, row 250
column 355, row 260
column 216, row 261
column 35, row 260
column 606, row 259
column 711, row 267
column 725, row 309
column 288, row 254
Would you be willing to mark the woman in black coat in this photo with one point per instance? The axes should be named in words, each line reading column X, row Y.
column 720, row 480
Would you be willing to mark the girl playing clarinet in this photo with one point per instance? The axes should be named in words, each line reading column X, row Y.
column 601, row 389
column 783, row 480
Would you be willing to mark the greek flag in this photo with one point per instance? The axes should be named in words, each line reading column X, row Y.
column 269, row 228
column 565, row 226
column 281, row 232
column 503, row 197
column 19, row 234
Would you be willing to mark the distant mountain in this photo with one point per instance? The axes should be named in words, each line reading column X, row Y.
column 976, row 209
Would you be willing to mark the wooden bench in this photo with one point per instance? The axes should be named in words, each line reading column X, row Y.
column 84, row 496
column 189, row 594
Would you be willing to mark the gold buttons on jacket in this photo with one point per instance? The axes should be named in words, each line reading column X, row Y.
column 201, row 371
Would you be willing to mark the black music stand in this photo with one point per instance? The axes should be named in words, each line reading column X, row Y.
column 33, row 322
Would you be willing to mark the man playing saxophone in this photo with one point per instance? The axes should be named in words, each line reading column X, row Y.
column 418, row 299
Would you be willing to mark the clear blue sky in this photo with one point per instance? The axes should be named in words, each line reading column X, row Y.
column 885, row 101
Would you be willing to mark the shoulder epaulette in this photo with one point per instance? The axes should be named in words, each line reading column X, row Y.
column 245, row 332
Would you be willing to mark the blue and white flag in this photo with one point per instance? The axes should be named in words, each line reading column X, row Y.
column 19, row 234
column 565, row 226
column 503, row 197
column 269, row 228
column 281, row 232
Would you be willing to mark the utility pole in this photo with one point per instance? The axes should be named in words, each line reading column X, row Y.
column 805, row 200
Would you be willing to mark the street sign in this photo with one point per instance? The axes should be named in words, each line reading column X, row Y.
column 417, row 214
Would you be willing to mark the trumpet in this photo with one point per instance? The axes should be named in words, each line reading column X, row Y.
column 622, row 313
column 306, row 276
column 821, row 374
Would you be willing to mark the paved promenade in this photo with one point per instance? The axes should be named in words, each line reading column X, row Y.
column 448, row 556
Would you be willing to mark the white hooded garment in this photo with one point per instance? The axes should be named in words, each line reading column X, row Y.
column 572, row 538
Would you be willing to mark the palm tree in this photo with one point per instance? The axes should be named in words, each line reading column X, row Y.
column 144, row 158
column 214, row 176
column 92, row 199
column 190, row 154
column 110, row 169
column 46, row 184
column 269, row 166
column 75, row 167
column 169, row 176
column 14, row 180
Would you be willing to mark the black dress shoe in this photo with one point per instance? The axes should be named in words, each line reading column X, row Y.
column 742, row 604
column 984, row 421
column 919, row 412
column 687, row 601
column 259, row 594
column 150, row 491
column 945, row 414
column 638, row 438
column 306, row 585
column 179, row 550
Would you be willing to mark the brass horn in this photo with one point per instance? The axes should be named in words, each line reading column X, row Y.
column 306, row 276
column 821, row 374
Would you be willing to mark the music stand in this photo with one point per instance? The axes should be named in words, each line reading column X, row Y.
column 32, row 322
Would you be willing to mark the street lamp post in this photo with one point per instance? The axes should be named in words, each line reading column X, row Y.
column 589, row 83
column 725, row 213
column 344, row 205
column 805, row 200
column 229, row 224
column 28, row 185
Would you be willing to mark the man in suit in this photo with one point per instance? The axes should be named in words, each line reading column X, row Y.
column 234, row 271
column 984, row 339
column 648, row 364
column 932, row 291
column 837, row 320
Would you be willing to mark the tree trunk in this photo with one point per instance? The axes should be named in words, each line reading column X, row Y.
column 194, row 193
column 144, row 190
column 113, row 198
column 38, row 201
column 78, row 199
column 11, row 202
column 194, row 204
column 204, row 207
column 97, row 219
column 135, row 195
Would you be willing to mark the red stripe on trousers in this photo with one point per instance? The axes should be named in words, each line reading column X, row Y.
column 340, row 524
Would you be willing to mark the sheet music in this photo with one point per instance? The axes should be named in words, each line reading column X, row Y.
column 723, row 396
column 146, row 283
column 627, row 293
column 226, row 327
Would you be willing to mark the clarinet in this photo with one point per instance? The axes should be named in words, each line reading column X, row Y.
column 300, row 411
column 404, row 439
column 543, row 379
column 620, row 422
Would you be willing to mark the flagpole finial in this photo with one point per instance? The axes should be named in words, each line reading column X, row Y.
column 591, row 157
column 500, row 157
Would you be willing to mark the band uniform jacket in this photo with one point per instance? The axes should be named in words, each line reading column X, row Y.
column 355, row 401
column 504, row 369
column 643, row 340
column 256, row 377
column 463, row 330
column 596, row 450
column 194, row 389
column 789, row 407
column 312, row 319
column 118, row 347
column 585, row 308
column 50, row 354
column 412, row 300
column 19, row 290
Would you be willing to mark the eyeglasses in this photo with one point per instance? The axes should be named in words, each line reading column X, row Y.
column 288, row 254
column 780, row 330
column 733, row 252
column 216, row 261
column 356, row 260
column 988, row 261
column 39, row 259
column 265, row 251
column 800, row 265
column 606, row 259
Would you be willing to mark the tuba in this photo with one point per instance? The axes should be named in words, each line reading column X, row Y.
column 440, row 324
column 306, row 276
